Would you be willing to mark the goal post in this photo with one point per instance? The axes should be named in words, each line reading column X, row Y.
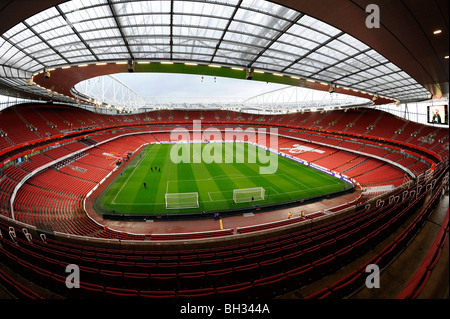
column 181, row 200
column 245, row 195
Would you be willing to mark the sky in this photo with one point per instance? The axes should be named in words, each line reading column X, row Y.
column 176, row 90
column 187, row 85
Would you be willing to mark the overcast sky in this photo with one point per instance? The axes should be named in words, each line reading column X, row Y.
column 185, row 85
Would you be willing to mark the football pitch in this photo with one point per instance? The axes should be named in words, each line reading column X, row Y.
column 210, row 187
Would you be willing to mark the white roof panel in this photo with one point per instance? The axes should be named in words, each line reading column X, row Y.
column 251, row 33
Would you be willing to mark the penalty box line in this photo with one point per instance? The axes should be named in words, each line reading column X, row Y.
column 217, row 178
column 126, row 182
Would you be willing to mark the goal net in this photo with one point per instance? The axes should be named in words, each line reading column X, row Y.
column 181, row 200
column 245, row 195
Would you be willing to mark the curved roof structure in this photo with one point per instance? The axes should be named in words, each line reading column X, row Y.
column 279, row 40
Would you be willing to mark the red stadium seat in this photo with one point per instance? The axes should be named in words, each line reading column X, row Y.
column 164, row 281
column 219, row 277
column 235, row 291
column 298, row 277
column 269, row 287
column 204, row 293
column 246, row 272
column 136, row 280
column 192, row 280
column 347, row 285
column 121, row 293
column 271, row 267
column 156, row 294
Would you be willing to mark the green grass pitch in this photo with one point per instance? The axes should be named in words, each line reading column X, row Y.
column 214, row 183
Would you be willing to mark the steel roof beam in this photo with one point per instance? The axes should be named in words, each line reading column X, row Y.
column 119, row 27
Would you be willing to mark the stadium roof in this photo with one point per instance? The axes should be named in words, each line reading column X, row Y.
column 283, row 39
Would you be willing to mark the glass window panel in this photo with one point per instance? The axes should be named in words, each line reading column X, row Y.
column 197, row 33
column 77, row 59
column 149, row 40
column 101, row 34
column 382, row 69
column 343, row 82
column 110, row 56
column 68, row 39
column 60, row 34
column 242, row 48
column 135, row 20
column 396, row 77
column 195, row 43
column 104, row 51
column 77, row 4
column 203, row 8
column 368, row 74
column 331, row 53
column 318, row 25
column 71, row 47
column 281, row 55
column 322, row 59
column 6, row 50
column 355, row 78
column 51, row 60
column 14, row 30
column 339, row 71
column 50, row 25
column 247, row 28
column 377, row 57
column 328, row 74
column 324, row 78
column 229, row 60
column 367, row 60
column 37, row 49
column 113, row 43
column 353, row 65
column 273, row 61
column 392, row 67
column 303, row 69
column 269, row 7
column 12, row 57
column 342, row 47
column 255, row 17
column 307, row 33
column 88, row 14
column 30, row 68
column 205, row 22
column 288, row 49
column 240, row 55
column 130, row 27
column 23, row 38
column 193, row 49
column 148, row 31
column 76, row 17
column 190, row 57
column 268, row 66
column 355, row 43
column 404, row 75
column 102, row 23
column 246, row 39
column 45, row 15
column 303, row 43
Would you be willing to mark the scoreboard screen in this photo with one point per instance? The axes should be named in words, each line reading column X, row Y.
column 438, row 114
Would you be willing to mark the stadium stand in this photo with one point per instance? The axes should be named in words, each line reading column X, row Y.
column 270, row 259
